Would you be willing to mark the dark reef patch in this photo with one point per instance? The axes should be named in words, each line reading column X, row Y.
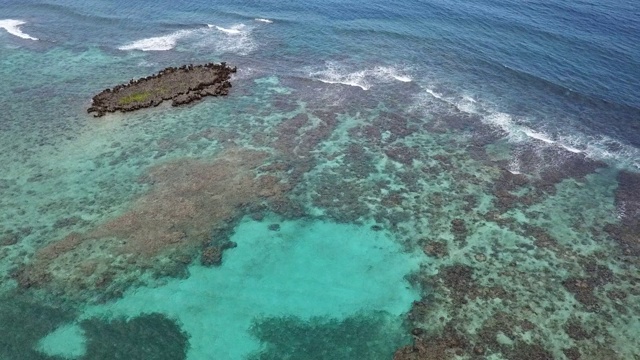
column 151, row 336
column 23, row 323
column 367, row 336
column 576, row 331
column 402, row 154
column 437, row 249
column 182, row 85
column 627, row 199
column 583, row 290
column 439, row 347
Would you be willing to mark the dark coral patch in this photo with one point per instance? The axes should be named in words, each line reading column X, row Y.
column 583, row 288
column 627, row 197
column 545, row 167
column 442, row 346
column 23, row 323
column 212, row 255
column 365, row 336
column 437, row 249
column 402, row 153
column 569, row 165
column 385, row 129
column 576, row 331
column 358, row 161
column 459, row 280
column 341, row 200
column 151, row 336
column 503, row 324
column 572, row 354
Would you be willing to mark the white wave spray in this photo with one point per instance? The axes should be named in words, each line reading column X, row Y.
column 13, row 27
column 158, row 43
column 236, row 39
column 338, row 74
column 599, row 147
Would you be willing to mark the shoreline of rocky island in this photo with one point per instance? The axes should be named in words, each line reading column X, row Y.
column 182, row 85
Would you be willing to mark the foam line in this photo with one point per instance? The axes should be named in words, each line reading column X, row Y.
column 158, row 43
column 234, row 30
column 236, row 39
column 13, row 28
column 598, row 148
column 364, row 79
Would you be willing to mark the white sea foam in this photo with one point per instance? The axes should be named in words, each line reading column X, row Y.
column 158, row 43
column 468, row 98
column 234, row 39
column 364, row 79
column 13, row 28
column 597, row 148
column 264, row 20
column 537, row 135
column 434, row 94
column 571, row 148
column 234, row 30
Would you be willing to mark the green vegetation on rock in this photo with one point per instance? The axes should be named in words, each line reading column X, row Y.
column 133, row 98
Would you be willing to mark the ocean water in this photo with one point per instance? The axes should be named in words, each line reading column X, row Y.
column 386, row 180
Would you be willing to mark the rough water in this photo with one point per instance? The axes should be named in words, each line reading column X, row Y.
column 385, row 180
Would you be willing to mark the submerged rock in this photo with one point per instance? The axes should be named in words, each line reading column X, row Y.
column 182, row 85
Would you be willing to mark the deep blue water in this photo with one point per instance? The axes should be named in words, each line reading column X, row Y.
column 555, row 74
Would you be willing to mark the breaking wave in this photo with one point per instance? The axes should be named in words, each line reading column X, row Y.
column 234, row 30
column 519, row 130
column 13, row 27
column 364, row 79
column 158, row 43
column 236, row 39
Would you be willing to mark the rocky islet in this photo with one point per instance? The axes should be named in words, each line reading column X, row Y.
column 182, row 85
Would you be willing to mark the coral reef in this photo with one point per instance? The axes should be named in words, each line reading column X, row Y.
column 530, row 250
column 365, row 336
column 150, row 336
column 627, row 197
column 164, row 228
column 503, row 262
column 35, row 321
column 441, row 347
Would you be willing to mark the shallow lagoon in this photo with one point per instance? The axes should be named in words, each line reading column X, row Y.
column 390, row 188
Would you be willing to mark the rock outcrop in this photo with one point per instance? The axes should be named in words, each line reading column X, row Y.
column 181, row 85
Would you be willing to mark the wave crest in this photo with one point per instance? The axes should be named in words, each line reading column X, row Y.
column 518, row 130
column 236, row 38
column 157, row 43
column 13, row 27
column 364, row 79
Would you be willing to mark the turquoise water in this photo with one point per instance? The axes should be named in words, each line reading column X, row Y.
column 305, row 270
column 402, row 179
